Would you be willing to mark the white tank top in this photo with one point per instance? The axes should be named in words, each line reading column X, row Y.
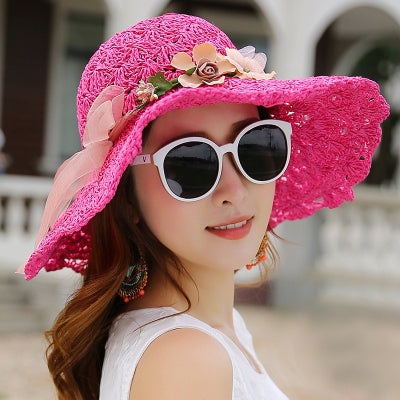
column 127, row 343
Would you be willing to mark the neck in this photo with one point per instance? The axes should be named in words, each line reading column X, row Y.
column 211, row 294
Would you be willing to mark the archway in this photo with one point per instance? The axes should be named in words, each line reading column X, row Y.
column 365, row 41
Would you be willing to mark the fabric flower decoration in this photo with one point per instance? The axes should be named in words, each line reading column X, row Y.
column 208, row 67
column 248, row 63
column 145, row 92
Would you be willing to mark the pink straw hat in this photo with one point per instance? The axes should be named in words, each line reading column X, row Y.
column 335, row 122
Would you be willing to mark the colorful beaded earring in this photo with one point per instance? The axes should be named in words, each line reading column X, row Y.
column 135, row 281
column 261, row 253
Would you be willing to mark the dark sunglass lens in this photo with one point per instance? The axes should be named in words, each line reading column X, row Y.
column 191, row 169
column 262, row 152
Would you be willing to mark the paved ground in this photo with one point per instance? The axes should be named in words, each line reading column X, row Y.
column 311, row 356
column 323, row 356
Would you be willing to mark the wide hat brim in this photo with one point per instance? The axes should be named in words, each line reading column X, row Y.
column 336, row 128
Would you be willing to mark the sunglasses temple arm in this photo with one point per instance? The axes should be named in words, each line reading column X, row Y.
column 142, row 159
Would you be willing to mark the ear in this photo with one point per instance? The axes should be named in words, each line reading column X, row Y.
column 133, row 214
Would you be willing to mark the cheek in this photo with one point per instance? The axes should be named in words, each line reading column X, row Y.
column 150, row 193
column 264, row 195
column 162, row 213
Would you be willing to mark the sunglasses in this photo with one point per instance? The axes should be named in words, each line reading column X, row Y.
column 190, row 168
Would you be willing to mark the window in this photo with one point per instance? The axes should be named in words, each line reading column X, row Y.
column 83, row 35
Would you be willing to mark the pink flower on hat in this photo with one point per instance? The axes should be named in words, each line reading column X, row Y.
column 208, row 67
column 248, row 63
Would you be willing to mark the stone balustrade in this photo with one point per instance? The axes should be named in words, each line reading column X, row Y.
column 360, row 251
column 358, row 262
column 33, row 305
column 22, row 200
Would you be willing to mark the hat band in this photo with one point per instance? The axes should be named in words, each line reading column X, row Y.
column 104, row 124
column 205, row 66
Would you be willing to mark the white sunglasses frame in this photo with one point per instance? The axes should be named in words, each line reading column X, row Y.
column 158, row 157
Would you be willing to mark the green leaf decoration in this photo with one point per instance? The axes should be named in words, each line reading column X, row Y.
column 161, row 85
column 190, row 71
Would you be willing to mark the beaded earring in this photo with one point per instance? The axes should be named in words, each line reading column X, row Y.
column 135, row 281
column 261, row 253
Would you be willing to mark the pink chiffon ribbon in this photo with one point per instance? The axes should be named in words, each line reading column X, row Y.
column 103, row 125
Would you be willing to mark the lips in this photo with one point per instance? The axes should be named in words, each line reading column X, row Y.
column 231, row 226
column 233, row 230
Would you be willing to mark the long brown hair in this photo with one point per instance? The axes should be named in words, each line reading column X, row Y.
column 77, row 340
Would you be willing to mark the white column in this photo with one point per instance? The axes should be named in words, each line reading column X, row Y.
column 51, row 157
column 125, row 13
column 2, row 49
column 292, row 49
column 15, row 217
column 35, row 215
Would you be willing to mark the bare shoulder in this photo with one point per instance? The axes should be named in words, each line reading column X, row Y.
column 183, row 364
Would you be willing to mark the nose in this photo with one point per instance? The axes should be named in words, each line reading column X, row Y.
column 232, row 186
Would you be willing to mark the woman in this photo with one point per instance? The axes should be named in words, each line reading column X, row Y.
column 159, row 226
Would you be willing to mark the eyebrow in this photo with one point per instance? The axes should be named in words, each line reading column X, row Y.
column 238, row 126
column 235, row 129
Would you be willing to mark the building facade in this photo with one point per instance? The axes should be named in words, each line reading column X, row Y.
column 349, row 255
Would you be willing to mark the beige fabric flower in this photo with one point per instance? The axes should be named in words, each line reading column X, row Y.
column 248, row 63
column 145, row 92
column 209, row 66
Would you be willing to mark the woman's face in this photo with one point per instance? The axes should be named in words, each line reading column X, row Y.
column 188, row 229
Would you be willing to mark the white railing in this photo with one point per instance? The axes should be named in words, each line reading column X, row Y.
column 26, row 306
column 360, row 244
column 22, row 200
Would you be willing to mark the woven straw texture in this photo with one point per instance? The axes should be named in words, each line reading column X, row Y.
column 335, row 124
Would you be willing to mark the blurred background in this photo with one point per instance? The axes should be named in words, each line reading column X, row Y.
column 327, row 324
